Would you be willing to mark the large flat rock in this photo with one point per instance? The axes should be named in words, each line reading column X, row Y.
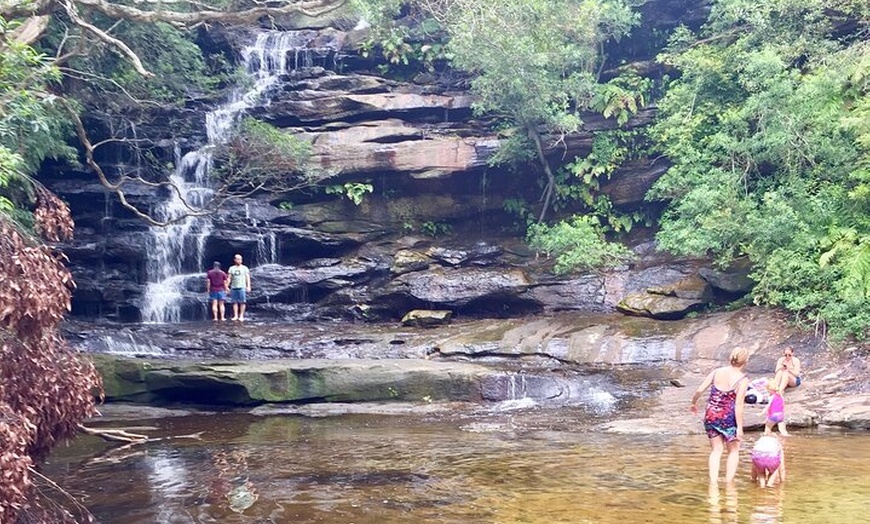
column 284, row 380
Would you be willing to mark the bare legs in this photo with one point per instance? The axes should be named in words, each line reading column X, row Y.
column 218, row 310
column 732, row 462
column 780, row 381
column 239, row 311
column 715, row 456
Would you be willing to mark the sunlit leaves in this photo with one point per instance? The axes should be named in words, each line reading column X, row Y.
column 535, row 61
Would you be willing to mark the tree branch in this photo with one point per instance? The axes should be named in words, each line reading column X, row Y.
column 117, row 188
column 551, row 179
column 116, row 435
column 77, row 19
column 311, row 8
column 31, row 29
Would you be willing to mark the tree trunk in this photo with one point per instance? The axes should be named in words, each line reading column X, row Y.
column 551, row 179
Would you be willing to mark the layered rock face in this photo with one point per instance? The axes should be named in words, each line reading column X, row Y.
column 433, row 234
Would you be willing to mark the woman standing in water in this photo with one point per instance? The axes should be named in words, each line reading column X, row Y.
column 723, row 418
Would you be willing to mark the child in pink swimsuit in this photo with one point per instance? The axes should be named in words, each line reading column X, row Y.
column 775, row 411
column 768, row 461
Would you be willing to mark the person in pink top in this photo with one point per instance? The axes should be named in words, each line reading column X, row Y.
column 216, row 286
column 775, row 410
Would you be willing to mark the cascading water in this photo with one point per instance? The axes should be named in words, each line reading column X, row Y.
column 175, row 265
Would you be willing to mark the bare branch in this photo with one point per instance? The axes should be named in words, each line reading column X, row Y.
column 31, row 29
column 76, row 18
column 86, row 76
column 116, row 435
column 308, row 8
column 66, row 495
column 117, row 188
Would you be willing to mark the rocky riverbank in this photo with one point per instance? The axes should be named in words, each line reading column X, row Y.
column 637, row 374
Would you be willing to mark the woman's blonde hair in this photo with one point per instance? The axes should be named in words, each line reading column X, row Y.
column 739, row 356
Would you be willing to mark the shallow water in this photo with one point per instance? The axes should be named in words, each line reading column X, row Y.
column 496, row 469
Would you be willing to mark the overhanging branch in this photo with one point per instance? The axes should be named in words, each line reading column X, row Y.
column 309, row 8
column 118, row 188
column 77, row 19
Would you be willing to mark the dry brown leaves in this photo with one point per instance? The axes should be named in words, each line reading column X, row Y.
column 52, row 216
column 46, row 389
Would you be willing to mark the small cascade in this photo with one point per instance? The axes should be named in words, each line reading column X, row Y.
column 517, row 386
column 267, row 248
column 126, row 345
column 517, row 394
column 175, row 266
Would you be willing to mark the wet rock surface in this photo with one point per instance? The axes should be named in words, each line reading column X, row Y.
column 638, row 372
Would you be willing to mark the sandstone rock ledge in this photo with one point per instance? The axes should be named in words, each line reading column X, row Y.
column 286, row 380
column 835, row 392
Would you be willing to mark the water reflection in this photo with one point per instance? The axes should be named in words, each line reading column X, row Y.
column 167, row 477
column 501, row 469
column 723, row 509
column 767, row 506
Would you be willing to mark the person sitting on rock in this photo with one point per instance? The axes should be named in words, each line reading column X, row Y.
column 788, row 366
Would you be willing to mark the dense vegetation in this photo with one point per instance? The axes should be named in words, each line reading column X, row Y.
column 768, row 128
column 764, row 112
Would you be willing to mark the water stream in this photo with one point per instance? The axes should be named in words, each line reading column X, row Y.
column 498, row 468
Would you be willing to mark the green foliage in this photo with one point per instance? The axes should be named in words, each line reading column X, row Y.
column 353, row 191
column 579, row 182
column 767, row 129
column 578, row 244
column 535, row 61
column 32, row 122
column 431, row 228
column 515, row 148
column 520, row 208
column 260, row 156
column 180, row 70
column 10, row 165
column 436, row 229
column 399, row 48
column 621, row 97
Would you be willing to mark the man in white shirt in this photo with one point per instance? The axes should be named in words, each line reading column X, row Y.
column 240, row 286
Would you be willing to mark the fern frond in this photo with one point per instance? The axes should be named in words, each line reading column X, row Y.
column 856, row 272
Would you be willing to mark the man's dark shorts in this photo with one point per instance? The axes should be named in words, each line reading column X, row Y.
column 238, row 295
column 217, row 295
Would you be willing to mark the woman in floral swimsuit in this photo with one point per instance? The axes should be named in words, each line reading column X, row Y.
column 723, row 418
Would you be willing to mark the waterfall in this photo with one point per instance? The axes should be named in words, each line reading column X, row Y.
column 176, row 252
